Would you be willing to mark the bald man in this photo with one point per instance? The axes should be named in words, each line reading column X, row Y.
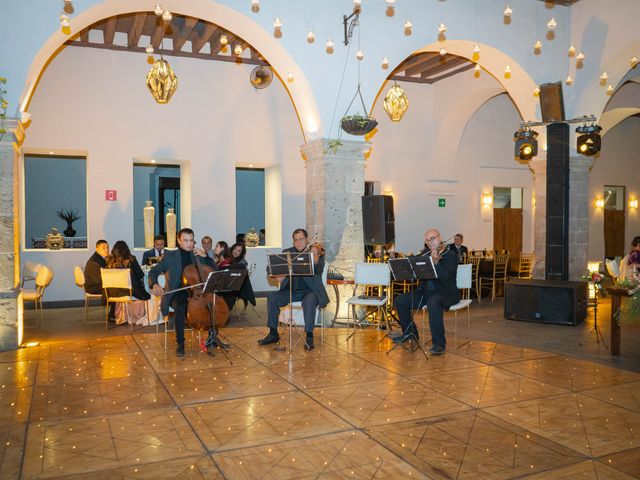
column 438, row 295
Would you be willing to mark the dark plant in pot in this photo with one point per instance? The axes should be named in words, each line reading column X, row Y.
column 69, row 215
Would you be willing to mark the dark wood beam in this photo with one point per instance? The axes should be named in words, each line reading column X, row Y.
column 181, row 35
column 463, row 68
column 209, row 30
column 448, row 64
column 431, row 80
column 416, row 62
column 133, row 36
column 109, row 30
column 433, row 61
column 158, row 34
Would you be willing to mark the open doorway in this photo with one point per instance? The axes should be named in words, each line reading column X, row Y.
column 507, row 219
column 614, row 216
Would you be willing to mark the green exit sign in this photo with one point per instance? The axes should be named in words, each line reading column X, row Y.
column 442, row 202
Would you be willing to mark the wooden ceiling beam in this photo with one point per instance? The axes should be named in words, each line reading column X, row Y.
column 181, row 35
column 109, row 30
column 158, row 33
column 417, row 63
column 436, row 60
column 209, row 30
column 133, row 35
column 448, row 64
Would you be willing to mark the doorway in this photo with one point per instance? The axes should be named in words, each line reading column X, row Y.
column 507, row 219
column 614, row 216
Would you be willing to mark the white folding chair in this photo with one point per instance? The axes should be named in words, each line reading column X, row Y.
column 29, row 272
column 118, row 278
column 463, row 282
column 78, row 275
column 43, row 279
column 369, row 275
column 298, row 317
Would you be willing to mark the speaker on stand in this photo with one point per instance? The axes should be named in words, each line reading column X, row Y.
column 378, row 221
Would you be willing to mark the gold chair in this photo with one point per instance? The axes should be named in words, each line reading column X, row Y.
column 500, row 263
column 78, row 275
column 29, row 272
column 525, row 267
column 475, row 274
column 119, row 278
column 43, row 279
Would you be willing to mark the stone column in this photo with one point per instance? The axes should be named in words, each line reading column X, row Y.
column 579, row 216
column 335, row 185
column 9, row 238
column 538, row 167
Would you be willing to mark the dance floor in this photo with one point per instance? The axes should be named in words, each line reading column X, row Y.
column 120, row 407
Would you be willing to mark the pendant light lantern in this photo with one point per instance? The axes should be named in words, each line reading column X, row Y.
column 396, row 103
column 161, row 81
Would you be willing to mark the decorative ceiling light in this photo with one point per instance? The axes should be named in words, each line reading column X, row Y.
column 357, row 4
column 552, row 24
column 277, row 27
column 633, row 61
column 476, row 52
column 238, row 49
column 603, row 79
column 360, row 55
column 538, row 45
column 569, row 80
column 391, row 8
column 166, row 16
column 396, row 103
column 507, row 11
column 158, row 10
column 255, row 6
column 572, row 50
column 507, row 72
column 149, row 49
column 391, row 3
column 477, row 70
column 329, row 46
column 610, row 90
column 161, row 81
column 408, row 28
column 442, row 28
column 65, row 25
column 536, row 91
column 580, row 57
column 223, row 39
column 385, row 63
column 443, row 52
column 290, row 77
column 311, row 37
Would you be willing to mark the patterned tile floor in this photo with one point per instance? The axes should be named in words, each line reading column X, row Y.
column 122, row 407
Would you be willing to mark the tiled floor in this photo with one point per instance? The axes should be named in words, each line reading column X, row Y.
column 121, row 407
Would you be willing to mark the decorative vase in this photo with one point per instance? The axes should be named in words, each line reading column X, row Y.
column 251, row 238
column 149, row 214
column 171, row 228
column 69, row 232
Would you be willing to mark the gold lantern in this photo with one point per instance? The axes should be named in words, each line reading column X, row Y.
column 396, row 103
column 161, row 80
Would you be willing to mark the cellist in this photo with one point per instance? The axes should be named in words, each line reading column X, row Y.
column 173, row 263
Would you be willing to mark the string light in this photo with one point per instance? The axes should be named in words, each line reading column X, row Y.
column 158, row 10
column 238, row 49
column 408, row 28
column 536, row 91
column 538, row 45
column 443, row 52
column 360, row 55
column 569, row 80
column 277, row 27
column 507, row 72
column 329, row 46
column 552, row 24
column 166, row 16
column 385, row 63
column 507, row 11
column 311, row 37
column 580, row 57
column 255, row 6
column 572, row 50
column 633, row 61
column 223, row 39
column 149, row 49
column 442, row 28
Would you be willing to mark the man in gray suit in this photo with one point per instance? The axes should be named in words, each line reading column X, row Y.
column 308, row 290
column 173, row 263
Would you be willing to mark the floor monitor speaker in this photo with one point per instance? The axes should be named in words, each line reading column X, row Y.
column 378, row 219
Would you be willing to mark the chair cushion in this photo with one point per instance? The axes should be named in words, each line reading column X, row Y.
column 372, row 302
column 460, row 305
column 29, row 294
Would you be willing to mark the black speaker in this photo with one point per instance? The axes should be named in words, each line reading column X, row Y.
column 551, row 102
column 545, row 301
column 378, row 219
column 557, row 214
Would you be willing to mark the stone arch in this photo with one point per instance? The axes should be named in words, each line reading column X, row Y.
column 300, row 91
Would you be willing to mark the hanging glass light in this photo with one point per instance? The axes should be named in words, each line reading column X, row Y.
column 396, row 103
column 161, row 81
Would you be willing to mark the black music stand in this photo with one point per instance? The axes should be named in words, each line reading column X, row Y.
column 291, row 264
column 219, row 282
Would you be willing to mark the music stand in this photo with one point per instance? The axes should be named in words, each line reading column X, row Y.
column 219, row 282
column 290, row 264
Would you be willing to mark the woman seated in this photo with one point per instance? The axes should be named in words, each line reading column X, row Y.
column 238, row 252
column 121, row 257
column 222, row 254
column 630, row 264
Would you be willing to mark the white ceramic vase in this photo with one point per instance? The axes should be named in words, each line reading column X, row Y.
column 149, row 214
column 171, row 228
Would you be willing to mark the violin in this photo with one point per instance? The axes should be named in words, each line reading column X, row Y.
column 200, row 309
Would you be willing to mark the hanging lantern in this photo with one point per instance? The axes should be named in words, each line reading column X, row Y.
column 161, row 81
column 396, row 103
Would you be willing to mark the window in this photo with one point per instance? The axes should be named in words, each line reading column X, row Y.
column 614, row 197
column 250, row 201
column 159, row 184
column 507, row 197
column 55, row 196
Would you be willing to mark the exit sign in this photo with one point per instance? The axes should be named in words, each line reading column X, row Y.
column 442, row 202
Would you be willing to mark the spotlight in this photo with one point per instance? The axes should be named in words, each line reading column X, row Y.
column 526, row 144
column 589, row 141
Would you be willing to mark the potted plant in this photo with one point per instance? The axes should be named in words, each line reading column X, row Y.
column 358, row 124
column 69, row 215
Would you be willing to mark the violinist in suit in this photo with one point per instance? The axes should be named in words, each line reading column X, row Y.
column 437, row 294
column 309, row 291
column 173, row 263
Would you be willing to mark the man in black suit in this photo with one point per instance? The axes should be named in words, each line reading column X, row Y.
column 438, row 295
column 156, row 252
column 92, row 275
column 173, row 263
column 458, row 248
column 308, row 290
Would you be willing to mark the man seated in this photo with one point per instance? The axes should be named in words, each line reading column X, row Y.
column 308, row 290
column 458, row 248
column 155, row 254
column 207, row 245
column 92, row 275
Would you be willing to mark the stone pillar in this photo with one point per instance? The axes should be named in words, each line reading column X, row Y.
column 335, row 185
column 579, row 216
column 538, row 167
column 10, row 234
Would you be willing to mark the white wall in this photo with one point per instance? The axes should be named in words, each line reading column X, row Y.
column 97, row 101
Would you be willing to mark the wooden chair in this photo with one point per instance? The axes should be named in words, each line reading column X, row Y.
column 500, row 263
column 29, row 272
column 118, row 278
column 78, row 275
column 43, row 280
column 525, row 267
column 474, row 261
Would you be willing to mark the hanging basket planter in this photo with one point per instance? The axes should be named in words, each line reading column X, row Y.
column 358, row 125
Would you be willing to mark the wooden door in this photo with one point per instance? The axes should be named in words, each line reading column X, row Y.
column 507, row 230
column 614, row 233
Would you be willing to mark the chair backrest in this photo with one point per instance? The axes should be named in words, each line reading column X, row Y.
column 474, row 261
column 500, row 262
column 613, row 268
column 44, row 277
column 463, row 276
column 30, row 271
column 372, row 274
column 526, row 265
column 78, row 276
column 116, row 278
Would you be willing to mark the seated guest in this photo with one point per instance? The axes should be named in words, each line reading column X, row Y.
column 207, row 243
column 626, row 272
column 240, row 238
column 458, row 248
column 309, row 291
column 121, row 258
column 221, row 254
column 92, row 277
column 238, row 252
column 155, row 253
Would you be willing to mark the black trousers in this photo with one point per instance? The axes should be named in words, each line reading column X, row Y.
column 278, row 299
column 416, row 300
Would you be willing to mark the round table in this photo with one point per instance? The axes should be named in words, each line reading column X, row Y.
column 335, row 283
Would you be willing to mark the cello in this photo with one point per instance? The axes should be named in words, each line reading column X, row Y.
column 200, row 313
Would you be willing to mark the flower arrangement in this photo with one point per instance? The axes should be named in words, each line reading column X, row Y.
column 595, row 279
column 631, row 309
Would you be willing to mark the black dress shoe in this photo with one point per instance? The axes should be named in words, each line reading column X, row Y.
column 180, row 350
column 269, row 339
column 403, row 338
column 436, row 350
column 308, row 343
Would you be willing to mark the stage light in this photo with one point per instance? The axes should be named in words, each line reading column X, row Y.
column 526, row 144
column 588, row 142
